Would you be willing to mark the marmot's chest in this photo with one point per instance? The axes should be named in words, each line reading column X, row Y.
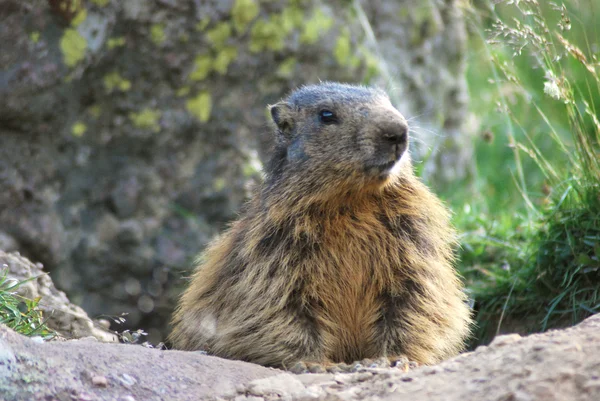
column 347, row 315
column 358, row 268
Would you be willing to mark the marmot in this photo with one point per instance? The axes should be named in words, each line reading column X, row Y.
column 341, row 254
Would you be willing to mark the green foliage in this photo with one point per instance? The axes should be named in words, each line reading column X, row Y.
column 531, row 240
column 568, row 254
column 18, row 313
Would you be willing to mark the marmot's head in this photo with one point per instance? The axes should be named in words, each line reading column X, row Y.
column 342, row 133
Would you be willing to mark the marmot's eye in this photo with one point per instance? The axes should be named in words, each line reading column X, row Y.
column 327, row 117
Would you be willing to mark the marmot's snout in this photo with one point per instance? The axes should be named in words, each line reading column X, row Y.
column 394, row 132
column 391, row 141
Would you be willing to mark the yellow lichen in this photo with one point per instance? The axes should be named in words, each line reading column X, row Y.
column 219, row 184
column 95, row 111
column 219, row 34
column 200, row 26
column 243, row 12
column 78, row 129
column 372, row 64
column 100, row 3
column 224, row 58
column 73, row 47
column 291, row 17
column 70, row 6
column 146, row 119
column 342, row 48
column 116, row 42
column 267, row 35
column 183, row 91
column 34, row 36
column 287, row 67
column 202, row 67
column 79, row 17
column 316, row 26
column 200, row 106
column 157, row 34
column 114, row 81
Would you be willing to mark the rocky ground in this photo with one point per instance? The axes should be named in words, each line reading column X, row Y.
column 557, row 365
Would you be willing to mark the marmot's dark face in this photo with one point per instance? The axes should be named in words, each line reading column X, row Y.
column 343, row 131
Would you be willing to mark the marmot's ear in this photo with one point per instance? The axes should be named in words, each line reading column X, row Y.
column 282, row 114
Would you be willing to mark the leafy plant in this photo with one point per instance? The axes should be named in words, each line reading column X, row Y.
column 18, row 313
column 531, row 244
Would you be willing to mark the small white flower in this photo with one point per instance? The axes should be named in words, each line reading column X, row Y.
column 551, row 88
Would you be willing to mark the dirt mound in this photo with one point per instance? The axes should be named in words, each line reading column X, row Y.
column 557, row 365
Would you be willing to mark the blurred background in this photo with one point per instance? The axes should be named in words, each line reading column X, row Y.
column 132, row 132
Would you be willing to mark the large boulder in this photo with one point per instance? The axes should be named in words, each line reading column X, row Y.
column 132, row 131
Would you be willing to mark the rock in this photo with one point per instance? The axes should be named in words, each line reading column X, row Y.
column 78, row 370
column 99, row 381
column 507, row 339
column 69, row 320
column 276, row 385
column 7, row 243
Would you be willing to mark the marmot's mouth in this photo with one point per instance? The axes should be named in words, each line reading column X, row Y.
column 387, row 166
column 380, row 169
column 399, row 151
column 387, row 160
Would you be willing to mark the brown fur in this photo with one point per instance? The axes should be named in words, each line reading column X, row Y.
column 335, row 258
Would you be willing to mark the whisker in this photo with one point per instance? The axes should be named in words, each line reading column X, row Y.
column 418, row 140
column 429, row 131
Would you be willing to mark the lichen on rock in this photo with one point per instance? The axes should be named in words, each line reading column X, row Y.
column 73, row 47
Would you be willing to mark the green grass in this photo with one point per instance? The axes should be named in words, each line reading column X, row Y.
column 18, row 313
column 531, row 234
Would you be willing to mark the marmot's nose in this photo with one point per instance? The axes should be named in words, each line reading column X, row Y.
column 395, row 133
